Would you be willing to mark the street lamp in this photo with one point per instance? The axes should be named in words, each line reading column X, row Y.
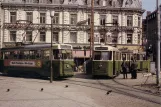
column 51, row 50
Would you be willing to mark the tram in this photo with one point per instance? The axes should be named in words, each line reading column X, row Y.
column 35, row 60
column 140, row 57
column 107, row 61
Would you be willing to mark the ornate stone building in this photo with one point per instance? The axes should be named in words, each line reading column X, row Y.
column 116, row 22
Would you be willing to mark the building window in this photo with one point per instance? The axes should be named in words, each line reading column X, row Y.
column 56, row 18
column 97, row 2
column 102, row 19
column 42, row 1
column 88, row 37
column 89, row 19
column 42, row 17
column 114, row 38
column 114, row 20
column 42, row 36
column 29, row 16
column 12, row 35
column 129, row 38
column 129, row 20
column 96, row 38
column 28, row 35
column 139, row 38
column 31, row 1
column 73, row 37
column 85, row 2
column 55, row 36
column 139, row 21
column 73, row 19
column 13, row 17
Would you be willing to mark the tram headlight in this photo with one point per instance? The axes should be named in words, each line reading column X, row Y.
column 100, row 65
column 67, row 65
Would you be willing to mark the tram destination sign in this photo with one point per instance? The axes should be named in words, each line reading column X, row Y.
column 101, row 48
column 19, row 63
column 65, row 47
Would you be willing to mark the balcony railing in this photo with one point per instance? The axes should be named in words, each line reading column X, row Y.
column 69, row 27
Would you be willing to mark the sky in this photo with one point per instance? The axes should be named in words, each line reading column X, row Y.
column 149, row 5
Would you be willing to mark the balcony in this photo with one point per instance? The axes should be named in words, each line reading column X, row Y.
column 21, row 26
column 28, row 1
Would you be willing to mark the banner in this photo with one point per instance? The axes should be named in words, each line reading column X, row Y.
column 24, row 63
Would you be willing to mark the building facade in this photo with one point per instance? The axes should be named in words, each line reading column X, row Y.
column 116, row 22
column 151, row 34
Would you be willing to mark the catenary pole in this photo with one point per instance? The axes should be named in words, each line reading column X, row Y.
column 51, row 49
column 92, row 28
column 158, row 43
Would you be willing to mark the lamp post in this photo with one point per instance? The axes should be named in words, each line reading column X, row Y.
column 51, row 50
column 158, row 43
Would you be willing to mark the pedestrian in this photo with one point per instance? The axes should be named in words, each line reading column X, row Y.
column 134, row 69
column 124, row 69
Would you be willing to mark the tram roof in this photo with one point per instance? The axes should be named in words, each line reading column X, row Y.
column 38, row 46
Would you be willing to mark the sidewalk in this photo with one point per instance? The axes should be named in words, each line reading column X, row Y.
column 147, row 83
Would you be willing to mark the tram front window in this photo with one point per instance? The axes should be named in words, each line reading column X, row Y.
column 62, row 54
column 97, row 56
column 67, row 54
column 103, row 55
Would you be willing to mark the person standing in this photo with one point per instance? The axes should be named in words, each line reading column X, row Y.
column 134, row 69
column 124, row 69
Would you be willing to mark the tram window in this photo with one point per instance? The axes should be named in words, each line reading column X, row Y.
column 11, row 56
column 66, row 54
column 55, row 53
column 26, row 55
column 0, row 55
column 46, row 54
column 6, row 55
column 97, row 56
column 21, row 55
column 32, row 55
column 118, row 56
column 128, row 57
column 38, row 54
column 137, row 56
column 123, row 56
column 106, row 55
column 144, row 57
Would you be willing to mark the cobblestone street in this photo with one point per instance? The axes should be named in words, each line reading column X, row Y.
column 79, row 91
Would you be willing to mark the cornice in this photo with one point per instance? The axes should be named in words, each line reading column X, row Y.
column 45, row 7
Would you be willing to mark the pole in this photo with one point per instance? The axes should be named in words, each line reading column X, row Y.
column 92, row 28
column 51, row 52
column 158, row 43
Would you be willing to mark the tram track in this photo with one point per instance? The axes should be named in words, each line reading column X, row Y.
column 118, row 89
column 112, row 84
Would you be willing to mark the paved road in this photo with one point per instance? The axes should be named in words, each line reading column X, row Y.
column 82, row 91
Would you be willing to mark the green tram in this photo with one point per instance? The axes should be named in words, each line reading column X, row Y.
column 35, row 60
column 140, row 57
column 106, row 61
